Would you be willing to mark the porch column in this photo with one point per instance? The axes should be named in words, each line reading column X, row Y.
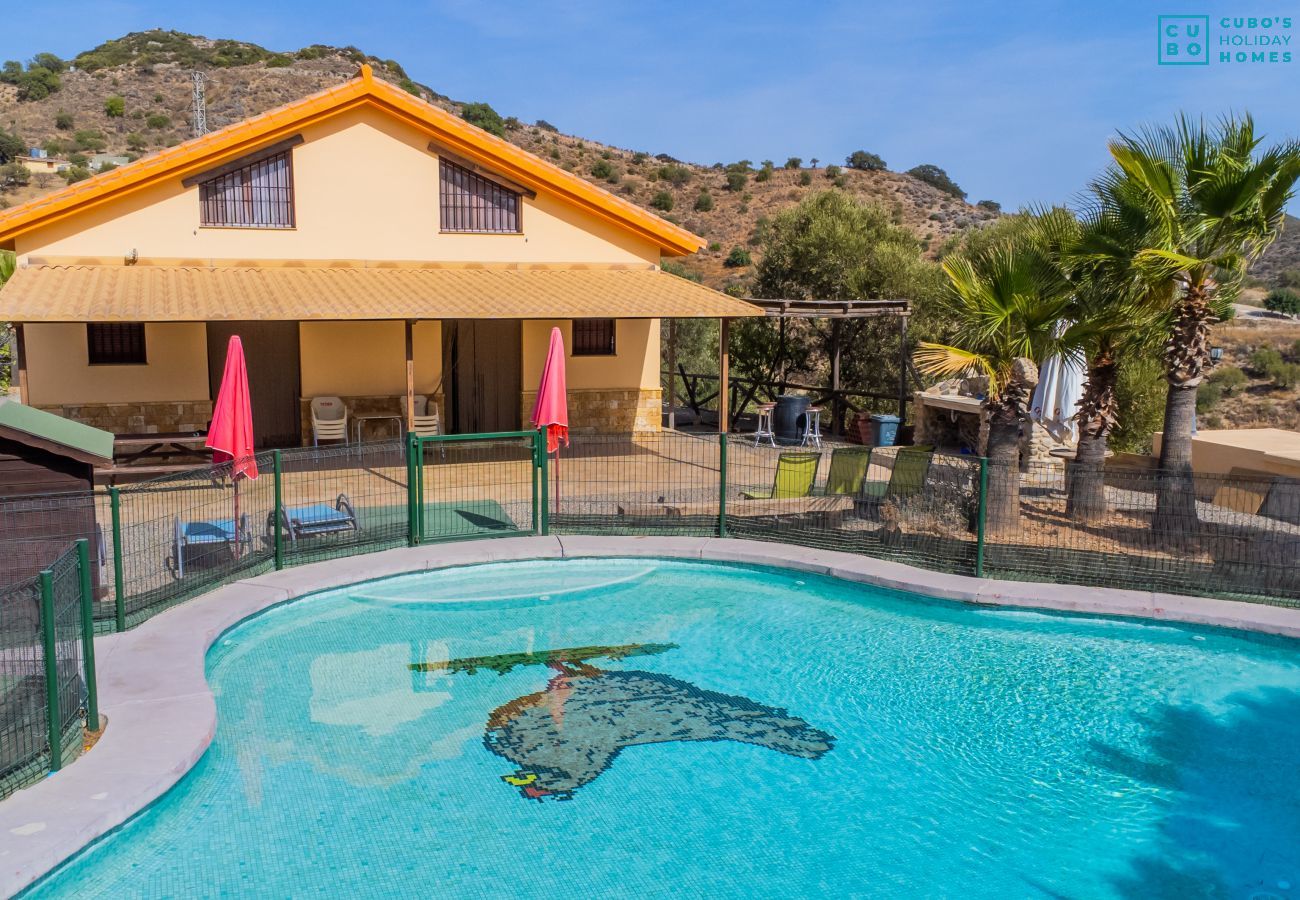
column 902, row 370
column 835, row 377
column 20, row 363
column 724, row 375
column 410, row 376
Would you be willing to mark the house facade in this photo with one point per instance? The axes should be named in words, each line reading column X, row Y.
column 437, row 269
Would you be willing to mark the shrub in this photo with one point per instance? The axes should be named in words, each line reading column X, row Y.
column 737, row 258
column 485, row 117
column 1285, row 375
column 545, row 125
column 832, row 172
column 639, row 157
column 73, row 174
column 37, row 83
column 662, row 201
column 78, row 159
column 115, row 106
column 1295, row 351
column 11, row 145
column 715, row 247
column 1208, row 396
column 742, row 165
column 793, row 162
column 674, row 174
column 805, row 178
column 704, row 202
column 602, row 169
column 937, row 177
column 11, row 71
column 90, row 140
column 14, row 175
column 54, row 147
column 136, row 141
column 278, row 61
column 158, row 121
column 1289, row 278
column 1263, row 359
column 1283, row 300
column 861, row 159
column 63, row 120
column 1228, row 378
column 513, row 123
column 989, row 205
column 736, row 181
column 49, row 61
column 763, row 174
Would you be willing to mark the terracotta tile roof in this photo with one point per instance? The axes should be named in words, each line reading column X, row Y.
column 157, row 293
column 456, row 134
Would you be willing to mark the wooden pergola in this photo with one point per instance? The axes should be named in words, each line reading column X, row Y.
column 783, row 310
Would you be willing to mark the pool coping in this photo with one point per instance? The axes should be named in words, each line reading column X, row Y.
column 162, row 715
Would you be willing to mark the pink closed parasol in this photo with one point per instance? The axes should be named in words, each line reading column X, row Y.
column 551, row 411
column 230, row 436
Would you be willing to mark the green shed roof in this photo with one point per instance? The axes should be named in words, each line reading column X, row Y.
column 82, row 440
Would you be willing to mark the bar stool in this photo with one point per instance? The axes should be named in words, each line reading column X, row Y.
column 812, row 427
column 764, row 429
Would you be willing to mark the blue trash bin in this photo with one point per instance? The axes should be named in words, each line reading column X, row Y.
column 885, row 428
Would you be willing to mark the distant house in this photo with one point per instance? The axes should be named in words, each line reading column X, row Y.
column 42, row 164
column 436, row 269
column 99, row 160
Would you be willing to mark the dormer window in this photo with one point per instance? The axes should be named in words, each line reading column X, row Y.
column 473, row 204
column 251, row 193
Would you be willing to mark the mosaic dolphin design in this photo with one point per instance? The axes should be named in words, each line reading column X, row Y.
column 565, row 736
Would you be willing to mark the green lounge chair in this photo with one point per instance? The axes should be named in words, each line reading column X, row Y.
column 795, row 473
column 911, row 465
column 848, row 469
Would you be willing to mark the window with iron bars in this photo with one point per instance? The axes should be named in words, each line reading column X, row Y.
column 258, row 195
column 470, row 203
column 115, row 344
column 593, row 337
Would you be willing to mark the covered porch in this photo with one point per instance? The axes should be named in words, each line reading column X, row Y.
column 468, row 338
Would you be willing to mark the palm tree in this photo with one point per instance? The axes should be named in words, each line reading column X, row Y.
column 1007, row 303
column 1207, row 201
column 1117, row 318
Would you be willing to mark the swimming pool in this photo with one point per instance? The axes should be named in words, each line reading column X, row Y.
column 612, row 728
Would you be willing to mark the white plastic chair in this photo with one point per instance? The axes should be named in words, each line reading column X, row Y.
column 329, row 420
column 425, row 421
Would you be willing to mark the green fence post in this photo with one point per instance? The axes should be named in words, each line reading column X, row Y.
column 88, row 635
column 537, row 511
column 119, row 577
column 722, row 484
column 412, row 489
column 51, row 671
column 543, row 475
column 278, row 471
column 980, row 517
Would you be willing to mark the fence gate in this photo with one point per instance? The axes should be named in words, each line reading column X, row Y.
column 477, row 486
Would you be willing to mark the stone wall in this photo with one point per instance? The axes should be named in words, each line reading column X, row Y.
column 368, row 406
column 608, row 411
column 140, row 418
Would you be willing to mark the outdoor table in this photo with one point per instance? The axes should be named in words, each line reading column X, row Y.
column 187, row 446
column 377, row 417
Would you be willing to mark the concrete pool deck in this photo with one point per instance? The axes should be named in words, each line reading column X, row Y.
column 162, row 715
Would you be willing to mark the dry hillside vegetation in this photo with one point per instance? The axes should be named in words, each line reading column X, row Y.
column 150, row 71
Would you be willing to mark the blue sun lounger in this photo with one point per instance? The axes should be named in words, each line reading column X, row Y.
column 205, row 544
column 315, row 519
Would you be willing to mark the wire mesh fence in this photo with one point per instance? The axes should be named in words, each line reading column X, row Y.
column 654, row 483
column 1227, row 535
column 473, row 486
column 46, row 670
column 905, row 504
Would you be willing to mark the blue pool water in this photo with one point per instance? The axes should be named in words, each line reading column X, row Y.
column 729, row 732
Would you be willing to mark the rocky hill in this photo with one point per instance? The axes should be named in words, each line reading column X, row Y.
column 1283, row 256
column 76, row 112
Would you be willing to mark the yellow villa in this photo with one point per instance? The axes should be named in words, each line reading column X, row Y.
column 437, row 270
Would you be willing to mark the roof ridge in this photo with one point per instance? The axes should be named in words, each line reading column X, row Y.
column 192, row 154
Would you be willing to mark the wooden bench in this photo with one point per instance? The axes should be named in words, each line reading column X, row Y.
column 830, row 508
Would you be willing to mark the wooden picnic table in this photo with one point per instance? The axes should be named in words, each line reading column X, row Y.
column 187, row 446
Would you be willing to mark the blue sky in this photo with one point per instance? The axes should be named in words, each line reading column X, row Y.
column 1014, row 99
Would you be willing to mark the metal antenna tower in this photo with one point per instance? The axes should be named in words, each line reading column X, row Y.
column 200, row 114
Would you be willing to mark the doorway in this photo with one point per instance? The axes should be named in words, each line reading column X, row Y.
column 482, row 368
column 271, row 355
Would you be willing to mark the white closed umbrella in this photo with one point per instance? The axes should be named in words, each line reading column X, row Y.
column 1056, row 399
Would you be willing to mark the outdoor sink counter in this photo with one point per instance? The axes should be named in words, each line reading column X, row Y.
column 162, row 715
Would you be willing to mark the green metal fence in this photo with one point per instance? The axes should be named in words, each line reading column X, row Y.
column 159, row 542
column 47, row 669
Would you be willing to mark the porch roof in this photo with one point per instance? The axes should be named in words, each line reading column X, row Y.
column 190, row 293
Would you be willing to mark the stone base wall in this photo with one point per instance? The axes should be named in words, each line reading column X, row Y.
column 369, row 406
column 607, row 411
column 139, row 418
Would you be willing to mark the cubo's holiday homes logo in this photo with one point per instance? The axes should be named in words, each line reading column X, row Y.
column 1227, row 40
